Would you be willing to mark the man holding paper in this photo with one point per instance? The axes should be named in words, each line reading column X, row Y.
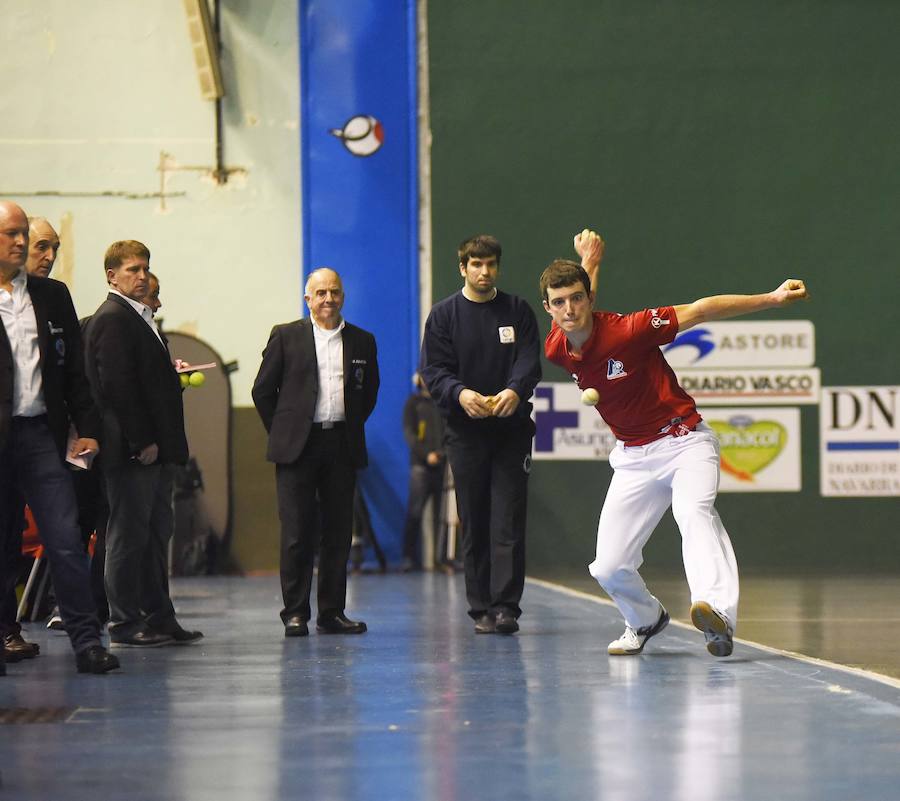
column 42, row 387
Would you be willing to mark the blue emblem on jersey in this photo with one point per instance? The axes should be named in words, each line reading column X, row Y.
column 615, row 369
column 698, row 338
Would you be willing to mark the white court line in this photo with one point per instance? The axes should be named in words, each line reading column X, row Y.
column 811, row 660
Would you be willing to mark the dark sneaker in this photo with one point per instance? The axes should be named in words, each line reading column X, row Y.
column 485, row 624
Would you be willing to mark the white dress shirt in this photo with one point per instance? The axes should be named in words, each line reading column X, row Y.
column 145, row 313
column 330, row 356
column 20, row 323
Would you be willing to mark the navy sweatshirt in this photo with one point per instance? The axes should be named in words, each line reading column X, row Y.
column 482, row 346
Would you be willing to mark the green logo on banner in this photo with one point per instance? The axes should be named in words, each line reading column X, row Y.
column 747, row 445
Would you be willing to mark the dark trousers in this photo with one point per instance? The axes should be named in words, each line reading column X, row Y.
column 15, row 564
column 490, row 460
column 31, row 471
column 93, row 514
column 326, row 470
column 425, row 481
column 141, row 522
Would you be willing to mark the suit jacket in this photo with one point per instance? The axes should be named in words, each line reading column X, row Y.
column 135, row 386
column 287, row 387
column 66, row 392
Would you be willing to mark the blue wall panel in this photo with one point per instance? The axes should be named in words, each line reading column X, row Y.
column 360, row 205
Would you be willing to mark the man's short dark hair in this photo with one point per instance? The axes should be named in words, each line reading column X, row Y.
column 117, row 252
column 563, row 272
column 481, row 247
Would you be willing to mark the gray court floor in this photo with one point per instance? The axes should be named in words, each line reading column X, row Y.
column 422, row 708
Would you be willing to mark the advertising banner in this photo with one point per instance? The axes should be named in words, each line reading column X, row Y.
column 741, row 343
column 859, row 436
column 760, row 448
column 776, row 385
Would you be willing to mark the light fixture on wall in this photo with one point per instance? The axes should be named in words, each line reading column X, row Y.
column 205, row 46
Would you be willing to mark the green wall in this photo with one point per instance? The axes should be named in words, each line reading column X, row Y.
column 718, row 147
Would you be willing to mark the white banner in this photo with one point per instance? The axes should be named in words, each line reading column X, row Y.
column 760, row 448
column 566, row 428
column 737, row 387
column 859, row 436
column 741, row 343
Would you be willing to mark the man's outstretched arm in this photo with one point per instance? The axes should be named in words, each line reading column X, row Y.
column 721, row 307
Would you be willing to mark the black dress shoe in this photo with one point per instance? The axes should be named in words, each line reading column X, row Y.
column 143, row 638
column 505, row 623
column 339, row 624
column 180, row 635
column 485, row 624
column 296, row 627
column 14, row 645
column 96, row 659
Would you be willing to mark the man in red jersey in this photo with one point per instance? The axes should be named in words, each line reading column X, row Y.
column 665, row 454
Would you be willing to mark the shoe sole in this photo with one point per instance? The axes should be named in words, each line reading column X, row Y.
column 297, row 633
column 657, row 628
column 484, row 630
column 707, row 620
column 89, row 671
column 331, row 631
column 114, row 644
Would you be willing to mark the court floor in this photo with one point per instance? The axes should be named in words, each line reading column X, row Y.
column 422, row 708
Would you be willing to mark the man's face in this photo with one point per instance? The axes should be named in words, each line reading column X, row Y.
column 131, row 278
column 13, row 237
column 152, row 300
column 480, row 273
column 42, row 249
column 325, row 298
column 570, row 306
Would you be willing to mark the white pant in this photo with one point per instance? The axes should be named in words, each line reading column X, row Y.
column 682, row 472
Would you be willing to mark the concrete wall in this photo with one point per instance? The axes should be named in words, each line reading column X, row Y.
column 95, row 91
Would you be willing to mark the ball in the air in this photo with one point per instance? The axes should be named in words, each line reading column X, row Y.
column 197, row 379
column 185, row 380
column 590, row 397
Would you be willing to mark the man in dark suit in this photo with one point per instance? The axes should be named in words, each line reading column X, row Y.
column 42, row 388
column 137, row 390
column 315, row 389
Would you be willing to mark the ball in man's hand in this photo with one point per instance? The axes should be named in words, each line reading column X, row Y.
column 590, row 397
column 197, row 379
column 185, row 380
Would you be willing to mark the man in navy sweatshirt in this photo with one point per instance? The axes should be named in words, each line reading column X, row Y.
column 481, row 361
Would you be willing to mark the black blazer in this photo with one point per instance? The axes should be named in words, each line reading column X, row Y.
column 66, row 392
column 287, row 386
column 134, row 384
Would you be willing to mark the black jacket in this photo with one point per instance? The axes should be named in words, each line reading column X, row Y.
column 423, row 428
column 135, row 386
column 66, row 392
column 287, row 387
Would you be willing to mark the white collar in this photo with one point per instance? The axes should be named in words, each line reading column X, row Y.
column 135, row 304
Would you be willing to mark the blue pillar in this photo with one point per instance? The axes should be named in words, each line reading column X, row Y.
column 360, row 206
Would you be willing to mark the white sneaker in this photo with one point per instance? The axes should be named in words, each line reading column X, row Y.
column 719, row 635
column 632, row 642
column 55, row 623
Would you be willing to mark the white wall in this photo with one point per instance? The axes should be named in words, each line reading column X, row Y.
column 93, row 91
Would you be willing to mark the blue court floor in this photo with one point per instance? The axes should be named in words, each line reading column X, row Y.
column 422, row 708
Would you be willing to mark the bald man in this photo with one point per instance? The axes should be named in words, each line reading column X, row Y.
column 42, row 388
column 315, row 389
column 43, row 247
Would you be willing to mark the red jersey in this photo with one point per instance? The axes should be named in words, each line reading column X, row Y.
column 640, row 398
